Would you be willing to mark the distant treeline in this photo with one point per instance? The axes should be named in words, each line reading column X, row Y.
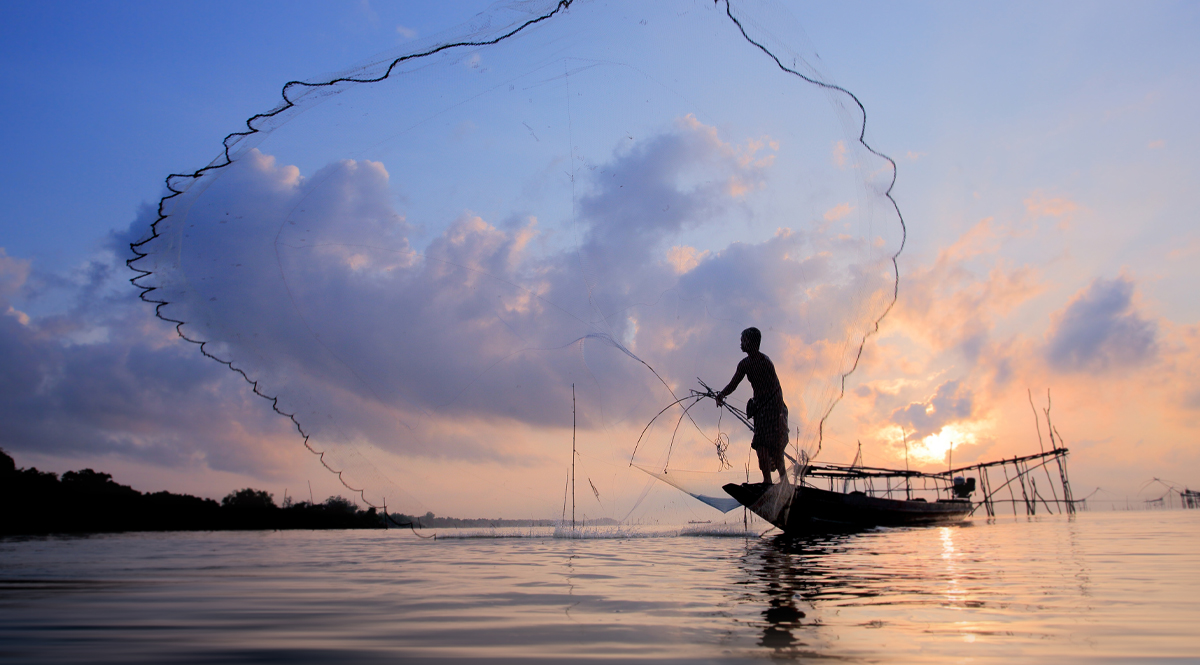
column 87, row 501
column 38, row 502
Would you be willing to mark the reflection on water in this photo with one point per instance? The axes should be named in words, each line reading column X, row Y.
column 1119, row 586
column 1018, row 589
column 797, row 577
column 784, row 586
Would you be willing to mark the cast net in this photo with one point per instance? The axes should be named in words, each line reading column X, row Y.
column 418, row 258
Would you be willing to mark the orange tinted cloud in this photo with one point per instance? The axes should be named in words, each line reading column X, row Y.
column 1063, row 209
column 1191, row 248
column 684, row 258
column 839, row 154
column 954, row 303
column 838, row 211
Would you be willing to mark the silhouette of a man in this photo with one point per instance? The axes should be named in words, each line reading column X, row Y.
column 766, row 409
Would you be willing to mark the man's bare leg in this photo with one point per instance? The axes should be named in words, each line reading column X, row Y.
column 764, row 465
column 781, row 465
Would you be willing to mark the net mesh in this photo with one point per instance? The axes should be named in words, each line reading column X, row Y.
column 415, row 260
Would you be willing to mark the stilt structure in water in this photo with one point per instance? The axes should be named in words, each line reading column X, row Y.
column 1024, row 475
column 1188, row 498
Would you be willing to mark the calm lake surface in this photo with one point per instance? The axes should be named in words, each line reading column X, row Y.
column 1103, row 587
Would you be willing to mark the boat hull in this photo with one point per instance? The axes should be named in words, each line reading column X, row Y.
column 809, row 509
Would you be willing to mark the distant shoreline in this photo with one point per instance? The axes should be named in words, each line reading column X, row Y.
column 86, row 501
column 429, row 521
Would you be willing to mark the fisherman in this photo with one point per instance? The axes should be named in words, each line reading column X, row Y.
column 766, row 408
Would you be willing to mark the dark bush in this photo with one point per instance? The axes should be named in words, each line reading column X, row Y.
column 248, row 498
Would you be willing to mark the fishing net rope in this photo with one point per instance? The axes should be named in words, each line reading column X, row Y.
column 416, row 259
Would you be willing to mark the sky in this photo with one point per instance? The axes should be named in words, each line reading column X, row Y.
column 1042, row 169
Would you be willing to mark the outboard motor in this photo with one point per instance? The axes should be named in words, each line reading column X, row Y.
column 963, row 487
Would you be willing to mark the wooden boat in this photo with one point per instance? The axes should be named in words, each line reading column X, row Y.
column 802, row 507
column 811, row 509
column 805, row 508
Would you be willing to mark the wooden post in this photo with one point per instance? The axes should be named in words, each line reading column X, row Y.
column 572, row 457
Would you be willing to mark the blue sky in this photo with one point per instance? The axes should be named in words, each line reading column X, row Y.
column 132, row 91
column 1044, row 169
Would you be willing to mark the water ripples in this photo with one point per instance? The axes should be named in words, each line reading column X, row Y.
column 1112, row 585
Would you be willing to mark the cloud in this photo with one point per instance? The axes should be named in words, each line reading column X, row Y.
column 1063, row 209
column 406, row 32
column 953, row 303
column 1041, row 206
column 951, row 403
column 1184, row 249
column 1154, row 145
column 104, row 378
column 1100, row 329
column 838, row 154
column 838, row 211
column 13, row 273
column 684, row 259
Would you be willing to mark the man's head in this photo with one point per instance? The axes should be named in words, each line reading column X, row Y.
column 751, row 338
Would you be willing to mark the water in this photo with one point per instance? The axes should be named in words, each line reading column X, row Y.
column 1116, row 587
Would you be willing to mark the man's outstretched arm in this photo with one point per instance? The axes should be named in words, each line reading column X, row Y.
column 733, row 384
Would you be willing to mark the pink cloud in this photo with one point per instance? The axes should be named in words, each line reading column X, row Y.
column 1060, row 208
column 837, row 212
column 13, row 274
column 1185, row 249
column 838, row 154
column 952, row 304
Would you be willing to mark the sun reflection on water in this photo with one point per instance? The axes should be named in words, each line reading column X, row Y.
column 954, row 593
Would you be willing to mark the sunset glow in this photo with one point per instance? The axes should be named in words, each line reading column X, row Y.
column 936, row 448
